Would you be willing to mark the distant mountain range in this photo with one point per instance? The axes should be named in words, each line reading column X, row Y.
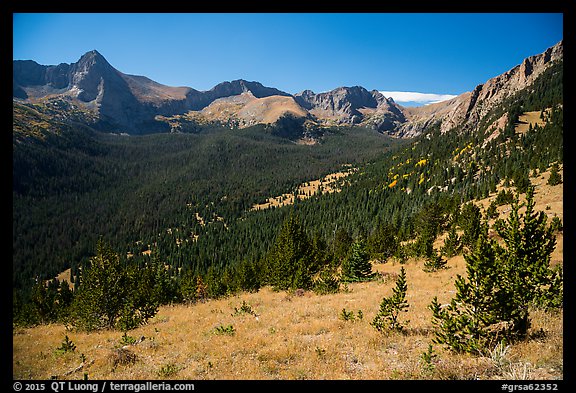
column 118, row 102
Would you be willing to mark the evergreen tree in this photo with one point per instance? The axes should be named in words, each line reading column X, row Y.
column 434, row 262
column 247, row 276
column 391, row 307
column 452, row 244
column 64, row 301
column 463, row 324
column 165, row 288
column 525, row 259
column 492, row 302
column 102, row 291
column 357, row 266
column 216, row 283
column 43, row 300
column 289, row 261
column 521, row 180
column 327, row 281
column 383, row 242
column 187, row 286
column 141, row 302
column 112, row 295
column 341, row 244
column 470, row 221
column 555, row 177
column 492, row 211
column 504, row 197
column 430, row 222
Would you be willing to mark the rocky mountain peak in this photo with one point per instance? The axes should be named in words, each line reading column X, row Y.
column 92, row 57
column 132, row 102
column 91, row 76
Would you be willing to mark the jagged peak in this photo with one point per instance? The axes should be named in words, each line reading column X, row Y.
column 93, row 57
column 306, row 92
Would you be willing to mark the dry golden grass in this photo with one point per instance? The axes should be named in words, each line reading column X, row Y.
column 528, row 118
column 299, row 335
column 327, row 184
column 290, row 337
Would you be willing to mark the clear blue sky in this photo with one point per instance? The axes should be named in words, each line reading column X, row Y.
column 429, row 53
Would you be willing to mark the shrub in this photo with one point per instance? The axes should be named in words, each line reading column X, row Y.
column 224, row 330
column 327, row 282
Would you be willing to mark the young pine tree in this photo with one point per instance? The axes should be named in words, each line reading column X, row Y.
column 555, row 177
column 470, row 222
column 493, row 301
column 357, row 266
column 387, row 317
column 525, row 259
column 434, row 262
column 452, row 244
column 327, row 281
column 102, row 291
column 463, row 324
column 383, row 242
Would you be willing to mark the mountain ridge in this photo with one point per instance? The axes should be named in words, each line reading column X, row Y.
column 131, row 103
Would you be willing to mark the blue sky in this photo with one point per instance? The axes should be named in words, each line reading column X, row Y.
column 427, row 53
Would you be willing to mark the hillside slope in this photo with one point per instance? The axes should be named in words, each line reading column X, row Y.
column 300, row 335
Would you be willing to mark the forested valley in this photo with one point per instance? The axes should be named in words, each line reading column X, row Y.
column 173, row 211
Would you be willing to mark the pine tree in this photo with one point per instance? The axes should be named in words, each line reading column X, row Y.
column 165, row 291
column 141, row 302
column 341, row 244
column 470, row 221
column 357, row 266
column 521, row 180
column 247, row 277
column 113, row 295
column 388, row 315
column 452, row 244
column 492, row 302
column 529, row 243
column 383, row 242
column 555, row 177
column 187, row 286
column 289, row 261
column 102, row 291
column 492, row 211
column 327, row 282
column 429, row 221
column 462, row 324
column 64, row 301
column 434, row 262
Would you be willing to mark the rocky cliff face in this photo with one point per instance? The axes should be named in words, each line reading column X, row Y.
column 352, row 105
column 468, row 108
column 131, row 103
